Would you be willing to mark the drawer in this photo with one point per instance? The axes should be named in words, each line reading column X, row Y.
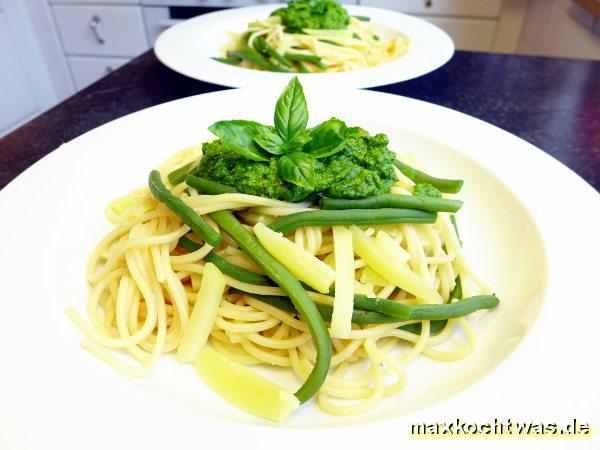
column 467, row 34
column 95, row 2
column 86, row 69
column 220, row 3
column 464, row 8
column 101, row 30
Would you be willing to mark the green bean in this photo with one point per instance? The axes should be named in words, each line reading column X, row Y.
column 230, row 61
column 322, row 218
column 392, row 308
column 313, row 59
column 457, row 291
column 185, row 213
column 239, row 273
column 330, row 42
column 426, row 312
column 442, row 184
column 178, row 175
column 252, row 56
column 261, row 45
column 362, row 18
column 460, row 308
column 455, row 225
column 359, row 316
column 301, row 67
column 435, row 326
column 319, row 64
column 189, row 245
column 302, row 57
column 207, row 186
column 394, row 201
column 326, row 311
column 303, row 303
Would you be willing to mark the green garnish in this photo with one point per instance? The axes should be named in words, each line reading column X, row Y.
column 312, row 14
column 426, row 190
column 289, row 162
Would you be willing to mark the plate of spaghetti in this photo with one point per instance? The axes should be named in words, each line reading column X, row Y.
column 263, row 273
column 317, row 40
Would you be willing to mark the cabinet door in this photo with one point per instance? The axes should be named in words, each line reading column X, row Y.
column 101, row 30
column 463, row 8
column 17, row 99
column 86, row 70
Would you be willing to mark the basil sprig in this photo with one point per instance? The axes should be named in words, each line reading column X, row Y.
column 298, row 168
column 328, row 138
column 238, row 136
column 291, row 111
column 295, row 147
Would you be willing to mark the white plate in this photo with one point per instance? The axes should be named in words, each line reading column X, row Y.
column 530, row 228
column 188, row 47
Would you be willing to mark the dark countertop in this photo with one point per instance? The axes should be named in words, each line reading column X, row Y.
column 552, row 103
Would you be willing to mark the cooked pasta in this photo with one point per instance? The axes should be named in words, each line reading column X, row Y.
column 355, row 47
column 144, row 286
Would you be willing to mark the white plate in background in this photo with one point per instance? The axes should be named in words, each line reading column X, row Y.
column 188, row 47
column 530, row 228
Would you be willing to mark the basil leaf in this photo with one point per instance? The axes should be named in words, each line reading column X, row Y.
column 270, row 142
column 328, row 138
column 298, row 143
column 291, row 112
column 298, row 168
column 238, row 136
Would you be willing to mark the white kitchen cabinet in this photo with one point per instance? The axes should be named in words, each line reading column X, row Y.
column 96, row 2
column 17, row 98
column 28, row 86
column 478, row 25
column 87, row 69
column 469, row 8
column 101, row 30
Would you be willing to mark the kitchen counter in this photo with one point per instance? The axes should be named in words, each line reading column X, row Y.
column 552, row 103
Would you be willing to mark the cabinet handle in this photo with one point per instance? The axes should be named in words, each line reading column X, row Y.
column 428, row 3
column 94, row 22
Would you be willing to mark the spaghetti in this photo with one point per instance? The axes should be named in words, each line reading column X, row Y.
column 144, row 288
column 355, row 47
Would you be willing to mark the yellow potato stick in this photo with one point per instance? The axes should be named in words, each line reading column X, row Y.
column 131, row 206
column 303, row 265
column 203, row 315
column 341, row 319
column 244, row 388
column 370, row 277
column 393, row 271
column 391, row 247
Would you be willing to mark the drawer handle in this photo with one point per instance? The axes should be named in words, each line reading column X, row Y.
column 94, row 22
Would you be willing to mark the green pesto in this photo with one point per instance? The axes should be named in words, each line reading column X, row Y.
column 224, row 166
column 362, row 169
column 426, row 190
column 313, row 14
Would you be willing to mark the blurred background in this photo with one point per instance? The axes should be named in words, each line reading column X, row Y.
column 50, row 49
